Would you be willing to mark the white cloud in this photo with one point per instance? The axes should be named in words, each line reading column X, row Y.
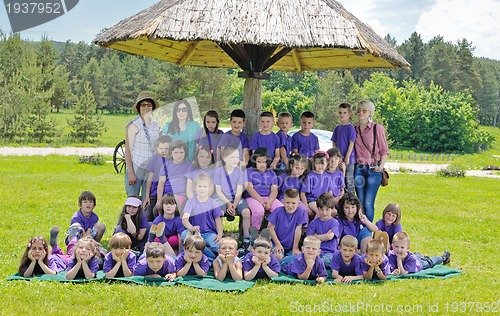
column 477, row 21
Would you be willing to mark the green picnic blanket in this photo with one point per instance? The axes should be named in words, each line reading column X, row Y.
column 438, row 271
column 60, row 277
column 211, row 283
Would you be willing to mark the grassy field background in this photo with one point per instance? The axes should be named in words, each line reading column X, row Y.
column 458, row 214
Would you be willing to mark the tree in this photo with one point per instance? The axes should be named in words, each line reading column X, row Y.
column 87, row 125
column 413, row 50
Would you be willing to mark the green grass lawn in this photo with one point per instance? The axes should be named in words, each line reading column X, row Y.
column 460, row 215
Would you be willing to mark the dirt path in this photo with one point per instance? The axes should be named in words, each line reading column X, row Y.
column 107, row 151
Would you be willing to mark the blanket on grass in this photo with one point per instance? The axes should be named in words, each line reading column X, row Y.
column 207, row 282
column 438, row 271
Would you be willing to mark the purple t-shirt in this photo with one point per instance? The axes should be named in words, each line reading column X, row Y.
column 173, row 226
column 353, row 268
column 143, row 221
column 211, row 139
column 286, row 182
column 271, row 142
column 262, row 181
column 338, row 181
column 193, row 171
column 286, row 141
column 248, row 265
column 349, row 228
column 237, row 177
column 319, row 227
column 306, row 145
column 176, row 177
column 86, row 223
column 109, row 263
column 180, row 263
column 410, row 263
column 316, row 184
column 156, row 165
column 93, row 266
column 299, row 265
column 385, row 267
column 241, row 141
column 286, row 223
column 142, row 268
column 203, row 214
column 391, row 230
column 342, row 135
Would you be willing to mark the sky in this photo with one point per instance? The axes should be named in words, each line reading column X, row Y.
column 475, row 20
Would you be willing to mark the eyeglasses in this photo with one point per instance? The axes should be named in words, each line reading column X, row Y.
column 185, row 110
column 361, row 111
column 146, row 104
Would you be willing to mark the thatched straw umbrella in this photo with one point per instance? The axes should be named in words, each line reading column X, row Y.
column 254, row 35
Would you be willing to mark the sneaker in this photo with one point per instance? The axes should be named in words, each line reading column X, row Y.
column 160, row 229
column 75, row 230
column 446, row 257
column 54, row 232
column 246, row 244
column 265, row 234
column 230, row 218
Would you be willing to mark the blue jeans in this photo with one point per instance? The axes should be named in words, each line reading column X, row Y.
column 429, row 262
column 349, row 177
column 139, row 188
column 367, row 184
column 211, row 247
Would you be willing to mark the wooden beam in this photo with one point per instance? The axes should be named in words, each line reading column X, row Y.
column 296, row 60
column 234, row 56
column 271, row 61
column 189, row 53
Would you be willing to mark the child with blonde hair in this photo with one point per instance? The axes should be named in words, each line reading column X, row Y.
column 83, row 263
column 390, row 221
column 308, row 265
column 374, row 263
column 346, row 262
column 120, row 261
column 227, row 262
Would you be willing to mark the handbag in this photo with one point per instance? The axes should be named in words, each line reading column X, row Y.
column 385, row 174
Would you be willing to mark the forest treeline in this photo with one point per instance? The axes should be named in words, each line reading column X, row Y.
column 445, row 85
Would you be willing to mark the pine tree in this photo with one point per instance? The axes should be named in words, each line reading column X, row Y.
column 87, row 125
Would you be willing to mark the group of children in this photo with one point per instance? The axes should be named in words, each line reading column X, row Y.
column 291, row 193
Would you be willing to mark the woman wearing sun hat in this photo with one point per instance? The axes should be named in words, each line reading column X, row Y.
column 140, row 144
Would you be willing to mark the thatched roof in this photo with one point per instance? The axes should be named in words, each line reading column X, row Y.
column 321, row 33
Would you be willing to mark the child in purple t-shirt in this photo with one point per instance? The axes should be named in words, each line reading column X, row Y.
column 353, row 222
column 260, row 262
column 133, row 223
column 346, row 263
column 86, row 218
column 202, row 163
column 236, row 138
column 262, row 187
column 337, row 175
column 403, row 261
column 167, row 226
column 266, row 138
column 325, row 227
column 120, row 261
column 285, row 122
column 374, row 263
column 156, row 164
column 173, row 178
column 308, row 265
column 304, row 141
column 227, row 263
column 210, row 135
column 293, row 177
column 285, row 225
column 317, row 182
column 343, row 138
column 155, row 263
column 391, row 220
column 192, row 261
column 202, row 215
column 83, row 263
column 36, row 259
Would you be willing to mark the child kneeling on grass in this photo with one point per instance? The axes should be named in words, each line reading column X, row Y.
column 403, row 261
column 227, row 260
column 346, row 262
column 155, row 263
column 307, row 265
column 260, row 263
column 192, row 261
